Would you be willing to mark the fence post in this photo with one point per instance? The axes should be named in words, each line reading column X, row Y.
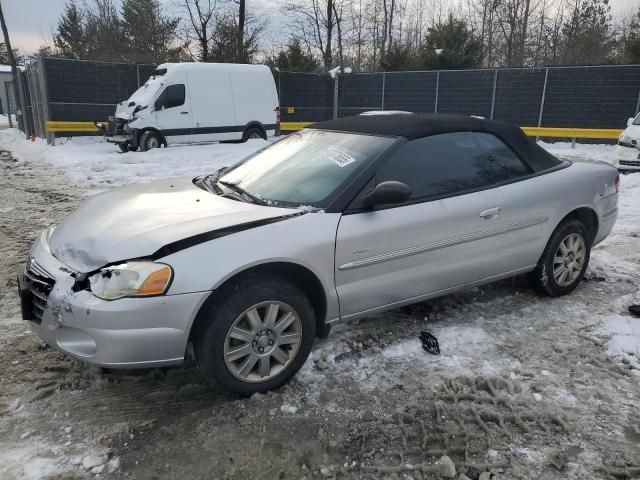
column 335, row 94
column 544, row 94
column 7, row 94
column 435, row 104
column 44, row 96
column 493, row 95
column 384, row 80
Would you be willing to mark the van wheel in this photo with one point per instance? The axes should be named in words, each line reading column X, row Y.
column 257, row 335
column 564, row 260
column 254, row 132
column 150, row 140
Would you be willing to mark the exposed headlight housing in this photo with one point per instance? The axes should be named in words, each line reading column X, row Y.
column 131, row 279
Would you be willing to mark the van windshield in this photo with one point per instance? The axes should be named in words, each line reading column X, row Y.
column 305, row 168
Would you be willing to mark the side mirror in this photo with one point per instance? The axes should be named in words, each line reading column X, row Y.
column 386, row 193
column 629, row 121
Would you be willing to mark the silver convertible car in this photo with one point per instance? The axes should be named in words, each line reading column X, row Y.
column 343, row 219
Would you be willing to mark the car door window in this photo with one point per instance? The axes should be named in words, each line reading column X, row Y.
column 172, row 96
column 452, row 163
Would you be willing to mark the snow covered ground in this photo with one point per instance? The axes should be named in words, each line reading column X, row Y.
column 93, row 163
column 527, row 387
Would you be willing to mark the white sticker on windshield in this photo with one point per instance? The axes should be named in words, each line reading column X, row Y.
column 339, row 158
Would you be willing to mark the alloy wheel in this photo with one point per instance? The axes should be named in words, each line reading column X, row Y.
column 262, row 341
column 569, row 259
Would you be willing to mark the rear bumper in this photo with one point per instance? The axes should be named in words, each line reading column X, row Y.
column 627, row 158
column 124, row 333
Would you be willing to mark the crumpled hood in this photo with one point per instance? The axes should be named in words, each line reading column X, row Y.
column 124, row 111
column 137, row 220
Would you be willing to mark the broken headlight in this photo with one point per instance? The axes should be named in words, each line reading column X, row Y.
column 131, row 279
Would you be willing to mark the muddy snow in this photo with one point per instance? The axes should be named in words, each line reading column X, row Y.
column 524, row 388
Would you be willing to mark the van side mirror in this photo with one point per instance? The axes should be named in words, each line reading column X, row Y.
column 629, row 121
column 387, row 193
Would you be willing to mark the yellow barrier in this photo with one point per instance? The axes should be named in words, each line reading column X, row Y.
column 601, row 133
column 597, row 133
column 53, row 126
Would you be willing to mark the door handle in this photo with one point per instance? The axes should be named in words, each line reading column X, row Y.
column 183, row 113
column 491, row 213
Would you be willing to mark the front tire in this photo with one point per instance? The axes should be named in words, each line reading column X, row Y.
column 564, row 260
column 150, row 140
column 256, row 335
column 124, row 147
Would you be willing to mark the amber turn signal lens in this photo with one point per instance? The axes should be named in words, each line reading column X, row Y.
column 156, row 283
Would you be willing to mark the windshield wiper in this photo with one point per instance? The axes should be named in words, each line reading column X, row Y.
column 243, row 192
column 209, row 182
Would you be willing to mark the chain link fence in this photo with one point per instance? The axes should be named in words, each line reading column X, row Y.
column 597, row 97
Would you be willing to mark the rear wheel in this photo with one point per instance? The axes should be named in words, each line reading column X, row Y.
column 564, row 260
column 257, row 335
column 254, row 133
column 149, row 141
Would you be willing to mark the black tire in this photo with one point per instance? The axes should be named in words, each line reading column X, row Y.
column 544, row 282
column 254, row 132
column 149, row 141
column 124, row 147
column 220, row 314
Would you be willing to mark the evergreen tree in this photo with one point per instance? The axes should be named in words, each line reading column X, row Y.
column 224, row 41
column 400, row 57
column 293, row 58
column 103, row 32
column 631, row 46
column 148, row 32
column 587, row 34
column 451, row 45
column 69, row 39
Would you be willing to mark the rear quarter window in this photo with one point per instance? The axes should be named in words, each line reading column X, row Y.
column 451, row 163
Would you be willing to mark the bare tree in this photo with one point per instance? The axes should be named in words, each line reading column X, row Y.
column 201, row 17
column 241, row 21
column 313, row 22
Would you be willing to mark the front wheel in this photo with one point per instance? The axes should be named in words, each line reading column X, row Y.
column 256, row 335
column 564, row 260
column 149, row 141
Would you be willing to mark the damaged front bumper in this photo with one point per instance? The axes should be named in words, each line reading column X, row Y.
column 123, row 333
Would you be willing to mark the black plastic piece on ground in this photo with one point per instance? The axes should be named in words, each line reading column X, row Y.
column 634, row 310
column 472, row 473
column 429, row 342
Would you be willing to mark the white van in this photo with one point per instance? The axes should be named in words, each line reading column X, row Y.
column 627, row 153
column 197, row 102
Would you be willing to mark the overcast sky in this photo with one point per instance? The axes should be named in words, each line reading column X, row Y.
column 31, row 21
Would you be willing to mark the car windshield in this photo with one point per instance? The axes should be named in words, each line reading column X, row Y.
column 636, row 121
column 305, row 168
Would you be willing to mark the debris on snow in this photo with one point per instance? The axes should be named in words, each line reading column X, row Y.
column 446, row 467
column 288, row 409
column 91, row 461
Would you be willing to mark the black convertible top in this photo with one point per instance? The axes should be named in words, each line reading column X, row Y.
column 418, row 125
